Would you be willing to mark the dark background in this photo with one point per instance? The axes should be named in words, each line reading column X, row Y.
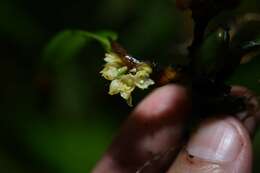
column 61, row 119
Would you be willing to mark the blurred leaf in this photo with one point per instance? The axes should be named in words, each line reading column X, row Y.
column 149, row 32
column 68, row 44
column 70, row 146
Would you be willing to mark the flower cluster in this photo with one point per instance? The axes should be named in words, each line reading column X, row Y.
column 124, row 79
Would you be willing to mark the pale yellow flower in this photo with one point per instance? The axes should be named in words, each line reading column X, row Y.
column 113, row 58
column 111, row 72
column 125, row 80
column 114, row 67
column 124, row 86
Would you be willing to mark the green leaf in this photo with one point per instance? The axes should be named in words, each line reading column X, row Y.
column 67, row 45
column 213, row 55
column 248, row 75
column 103, row 37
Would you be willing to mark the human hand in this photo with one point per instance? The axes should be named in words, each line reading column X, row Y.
column 153, row 139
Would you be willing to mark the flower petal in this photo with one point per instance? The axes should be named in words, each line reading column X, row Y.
column 113, row 58
column 144, row 83
column 110, row 72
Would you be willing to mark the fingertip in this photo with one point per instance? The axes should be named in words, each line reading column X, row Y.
column 250, row 117
column 243, row 162
column 150, row 131
column 164, row 101
column 219, row 145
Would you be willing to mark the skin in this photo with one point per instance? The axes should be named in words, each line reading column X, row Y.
column 153, row 139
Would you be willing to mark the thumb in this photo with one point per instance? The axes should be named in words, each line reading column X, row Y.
column 219, row 146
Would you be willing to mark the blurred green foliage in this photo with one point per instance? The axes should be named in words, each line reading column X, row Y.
column 59, row 118
column 64, row 47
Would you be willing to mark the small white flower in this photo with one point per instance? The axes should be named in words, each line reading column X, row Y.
column 123, row 86
column 111, row 72
column 113, row 58
column 125, row 80
column 144, row 83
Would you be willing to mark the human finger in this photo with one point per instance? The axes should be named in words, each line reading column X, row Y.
column 151, row 136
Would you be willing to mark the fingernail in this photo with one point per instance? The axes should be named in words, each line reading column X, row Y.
column 216, row 141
